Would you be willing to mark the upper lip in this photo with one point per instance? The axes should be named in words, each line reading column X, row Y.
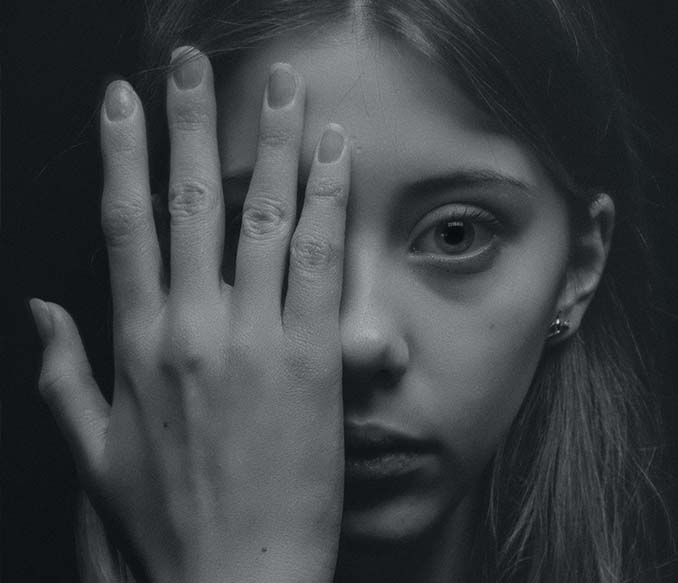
column 377, row 438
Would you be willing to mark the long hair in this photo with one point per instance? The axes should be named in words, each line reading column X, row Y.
column 574, row 492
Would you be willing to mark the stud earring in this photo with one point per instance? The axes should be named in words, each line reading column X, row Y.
column 557, row 327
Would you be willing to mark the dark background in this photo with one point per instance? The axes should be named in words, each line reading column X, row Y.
column 56, row 59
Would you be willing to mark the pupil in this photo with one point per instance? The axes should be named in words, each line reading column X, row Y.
column 454, row 233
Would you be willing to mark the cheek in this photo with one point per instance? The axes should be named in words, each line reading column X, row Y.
column 480, row 391
column 480, row 350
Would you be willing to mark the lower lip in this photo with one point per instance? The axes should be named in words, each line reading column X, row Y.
column 384, row 465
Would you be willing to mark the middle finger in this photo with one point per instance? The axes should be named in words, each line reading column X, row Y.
column 195, row 197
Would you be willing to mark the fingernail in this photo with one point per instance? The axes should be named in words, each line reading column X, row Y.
column 282, row 86
column 189, row 74
column 331, row 145
column 43, row 320
column 120, row 101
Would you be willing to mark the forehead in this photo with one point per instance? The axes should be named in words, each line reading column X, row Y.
column 405, row 115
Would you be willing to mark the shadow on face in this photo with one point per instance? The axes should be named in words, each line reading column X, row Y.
column 456, row 253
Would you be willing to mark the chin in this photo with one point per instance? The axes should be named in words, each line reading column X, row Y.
column 396, row 520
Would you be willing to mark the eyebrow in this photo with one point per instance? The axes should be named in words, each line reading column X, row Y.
column 456, row 179
column 464, row 178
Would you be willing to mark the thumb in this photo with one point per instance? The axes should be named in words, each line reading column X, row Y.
column 67, row 385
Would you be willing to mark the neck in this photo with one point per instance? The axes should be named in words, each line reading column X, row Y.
column 438, row 556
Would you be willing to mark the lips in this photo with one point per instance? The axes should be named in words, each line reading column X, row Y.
column 375, row 453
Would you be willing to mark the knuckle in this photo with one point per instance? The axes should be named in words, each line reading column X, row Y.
column 275, row 137
column 122, row 219
column 122, row 145
column 189, row 117
column 51, row 382
column 189, row 197
column 310, row 253
column 328, row 188
column 185, row 352
column 61, row 380
column 263, row 217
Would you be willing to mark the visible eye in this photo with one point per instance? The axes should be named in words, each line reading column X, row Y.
column 455, row 234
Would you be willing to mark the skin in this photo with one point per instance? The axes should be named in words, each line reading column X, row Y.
column 221, row 456
column 440, row 351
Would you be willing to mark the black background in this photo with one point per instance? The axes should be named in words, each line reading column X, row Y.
column 56, row 60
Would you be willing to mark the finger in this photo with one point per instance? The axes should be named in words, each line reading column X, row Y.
column 68, row 388
column 195, row 198
column 269, row 210
column 317, row 247
column 126, row 213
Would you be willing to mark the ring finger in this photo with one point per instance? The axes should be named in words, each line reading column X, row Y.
column 269, row 210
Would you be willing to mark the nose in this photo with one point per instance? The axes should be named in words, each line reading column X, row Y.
column 375, row 353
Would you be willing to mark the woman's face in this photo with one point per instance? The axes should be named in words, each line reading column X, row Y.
column 456, row 253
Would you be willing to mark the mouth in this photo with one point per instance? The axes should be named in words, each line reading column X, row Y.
column 376, row 454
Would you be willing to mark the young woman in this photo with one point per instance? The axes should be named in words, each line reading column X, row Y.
column 390, row 323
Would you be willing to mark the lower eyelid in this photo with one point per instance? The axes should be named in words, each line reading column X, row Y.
column 479, row 261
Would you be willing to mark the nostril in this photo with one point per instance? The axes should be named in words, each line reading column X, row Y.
column 375, row 360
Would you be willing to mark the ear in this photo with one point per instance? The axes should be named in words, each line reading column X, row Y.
column 590, row 248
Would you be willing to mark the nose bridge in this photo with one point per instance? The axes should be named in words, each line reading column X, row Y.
column 370, row 335
column 363, row 257
column 359, row 297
